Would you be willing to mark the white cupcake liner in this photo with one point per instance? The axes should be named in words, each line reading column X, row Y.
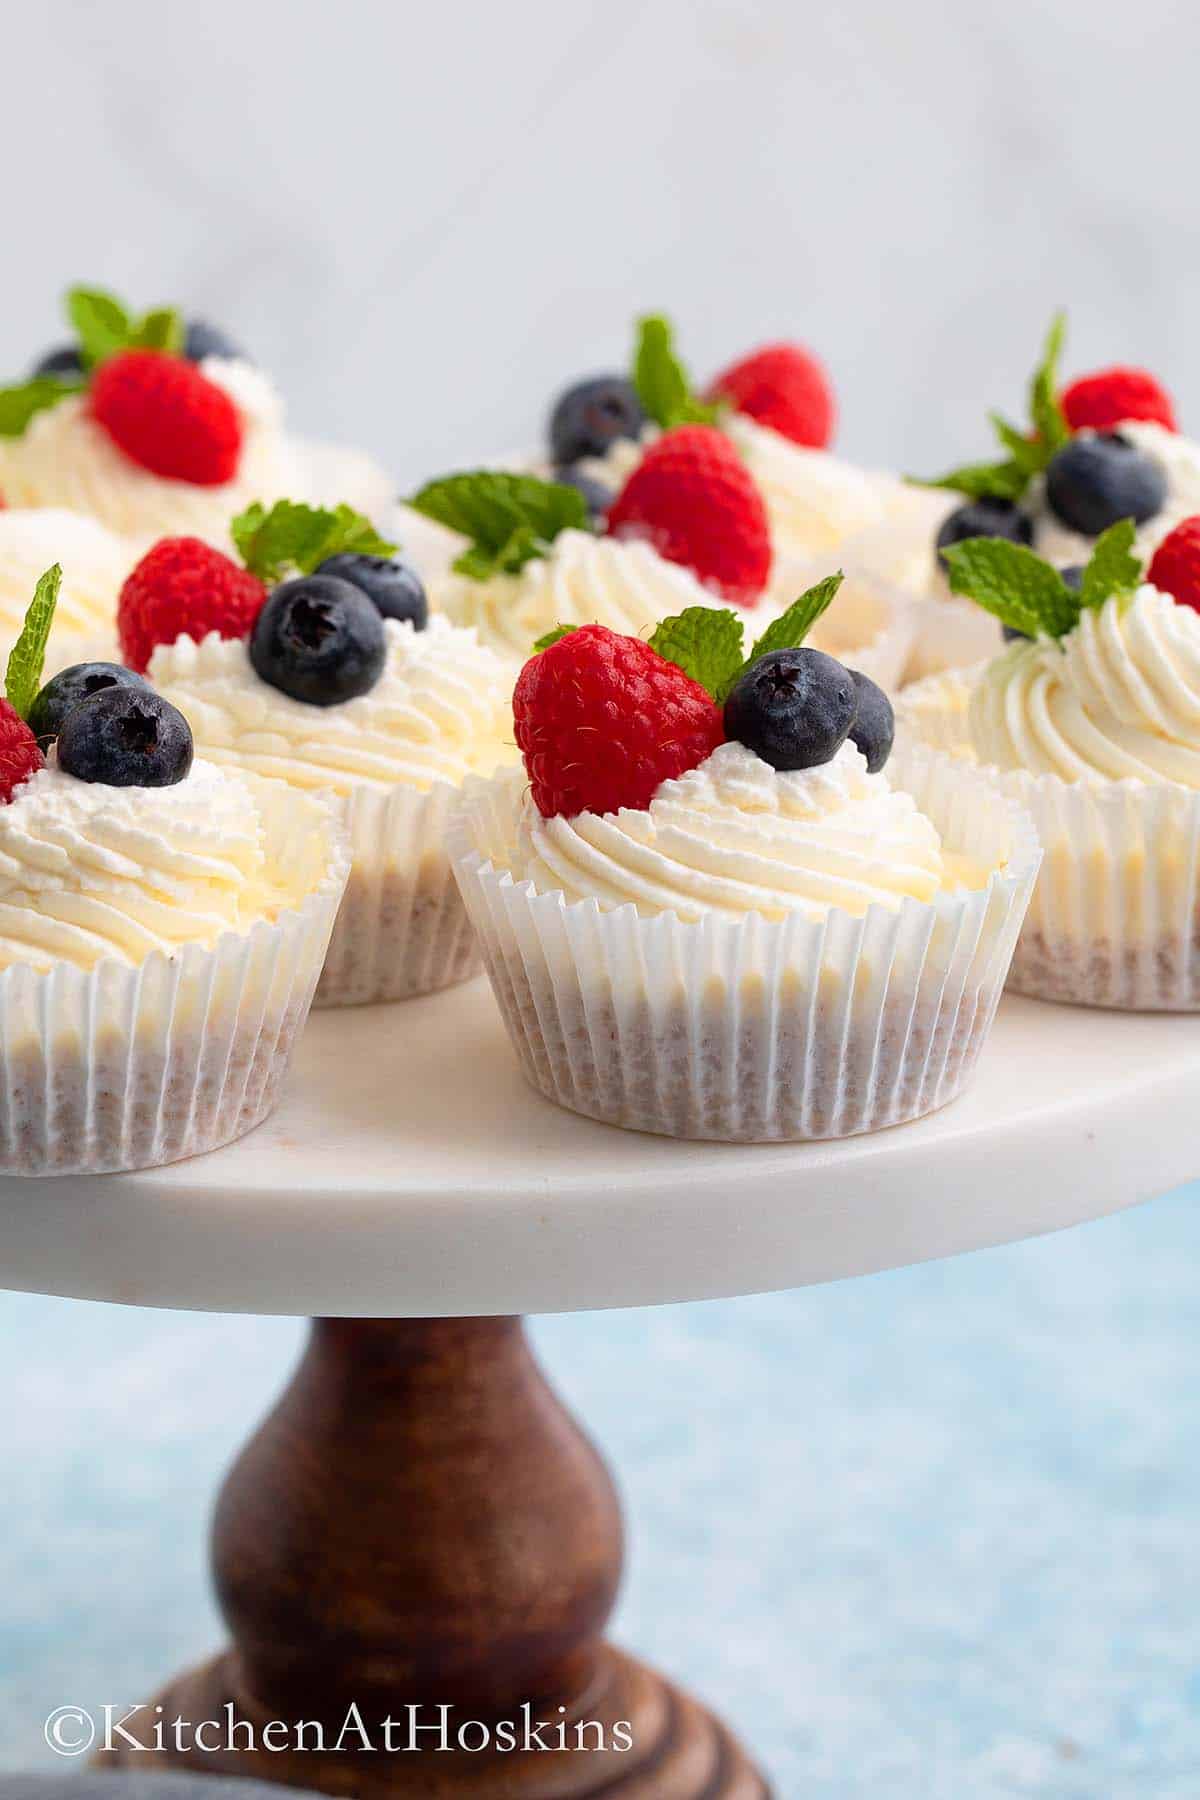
column 126, row 1068
column 755, row 1029
column 402, row 929
column 1115, row 915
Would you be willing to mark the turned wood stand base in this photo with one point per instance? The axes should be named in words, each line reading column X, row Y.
column 419, row 1525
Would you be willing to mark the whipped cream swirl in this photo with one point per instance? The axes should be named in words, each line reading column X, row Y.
column 439, row 712
column 1118, row 697
column 95, row 562
column 584, row 580
column 736, row 836
column 65, row 459
column 89, row 871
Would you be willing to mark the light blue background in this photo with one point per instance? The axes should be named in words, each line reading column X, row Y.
column 926, row 1536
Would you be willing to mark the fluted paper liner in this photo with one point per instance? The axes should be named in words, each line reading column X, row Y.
column 751, row 1029
column 402, row 929
column 1115, row 915
column 125, row 1068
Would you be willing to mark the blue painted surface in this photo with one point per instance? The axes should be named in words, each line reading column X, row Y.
column 927, row 1536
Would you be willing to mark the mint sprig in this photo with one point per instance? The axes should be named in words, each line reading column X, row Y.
column 510, row 519
column 20, row 404
column 1028, row 594
column 290, row 536
column 104, row 326
column 707, row 642
column 1028, row 450
column 27, row 658
column 662, row 383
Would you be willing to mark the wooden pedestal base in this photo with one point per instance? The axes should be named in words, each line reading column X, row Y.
column 420, row 1534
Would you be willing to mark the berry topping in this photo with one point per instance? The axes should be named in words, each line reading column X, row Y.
column 64, row 362
column 1111, row 396
column 874, row 728
column 692, row 497
column 319, row 640
column 391, row 584
column 64, row 691
column 183, row 587
column 794, row 708
column 126, row 737
column 19, row 754
column 597, row 497
column 785, row 388
column 168, row 417
column 1072, row 577
column 593, row 414
column 984, row 518
column 201, row 339
column 602, row 720
column 1094, row 481
column 1175, row 566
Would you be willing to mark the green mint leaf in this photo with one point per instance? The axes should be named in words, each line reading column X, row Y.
column 790, row 629
column 100, row 322
column 552, row 637
column 981, row 481
column 1012, row 584
column 20, row 404
column 509, row 518
column 292, row 536
column 1025, row 451
column 159, row 329
column 1112, row 568
column 706, row 643
column 662, row 381
column 23, row 677
column 1045, row 413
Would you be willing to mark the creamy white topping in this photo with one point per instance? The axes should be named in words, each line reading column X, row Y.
column 1118, row 697
column 1179, row 460
column 64, row 459
column 735, row 836
column 584, row 580
column 88, row 871
column 95, row 561
column 439, row 711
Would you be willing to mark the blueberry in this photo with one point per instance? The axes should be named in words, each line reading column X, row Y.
column 592, row 415
column 126, row 737
column 794, row 708
column 64, row 691
column 392, row 584
column 1092, row 482
column 63, row 362
column 1072, row 576
column 1011, row 635
column 985, row 518
column 874, row 728
column 597, row 497
column 319, row 639
column 200, row 339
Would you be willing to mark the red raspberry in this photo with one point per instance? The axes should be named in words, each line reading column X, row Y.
column 692, row 497
column 785, row 387
column 602, row 719
column 1109, row 397
column 1175, row 566
column 164, row 414
column 184, row 587
column 19, row 754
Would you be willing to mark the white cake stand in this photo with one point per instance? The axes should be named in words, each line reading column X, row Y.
column 419, row 1522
